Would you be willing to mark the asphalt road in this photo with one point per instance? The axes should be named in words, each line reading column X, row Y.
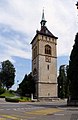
column 37, row 111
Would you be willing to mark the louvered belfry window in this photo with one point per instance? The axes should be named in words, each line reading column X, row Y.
column 47, row 49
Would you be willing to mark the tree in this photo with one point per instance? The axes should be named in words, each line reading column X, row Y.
column 31, row 84
column 7, row 74
column 27, row 86
column 73, row 71
column 23, row 86
column 67, row 84
column 63, row 82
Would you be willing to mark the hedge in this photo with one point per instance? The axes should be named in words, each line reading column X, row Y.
column 11, row 99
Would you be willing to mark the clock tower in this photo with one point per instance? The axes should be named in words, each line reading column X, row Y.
column 44, row 62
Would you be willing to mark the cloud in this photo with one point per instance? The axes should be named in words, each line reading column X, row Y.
column 19, row 20
column 13, row 43
column 62, row 22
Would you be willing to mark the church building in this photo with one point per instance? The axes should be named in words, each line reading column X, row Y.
column 44, row 62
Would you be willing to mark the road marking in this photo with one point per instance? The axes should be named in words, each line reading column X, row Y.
column 44, row 111
column 7, row 109
column 30, row 108
column 23, row 117
column 10, row 117
column 35, row 108
column 14, row 109
column 1, row 109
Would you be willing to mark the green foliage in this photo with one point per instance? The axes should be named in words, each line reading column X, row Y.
column 17, row 99
column 12, row 91
column 7, row 94
column 2, row 90
column 24, row 99
column 73, row 71
column 63, row 88
column 10, row 99
column 27, row 86
column 10, row 96
column 7, row 74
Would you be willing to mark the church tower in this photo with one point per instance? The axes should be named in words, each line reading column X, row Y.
column 44, row 62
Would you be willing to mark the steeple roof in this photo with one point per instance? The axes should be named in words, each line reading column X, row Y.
column 44, row 30
column 43, row 21
column 43, row 18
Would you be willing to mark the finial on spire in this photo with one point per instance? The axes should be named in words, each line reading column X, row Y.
column 43, row 18
column 43, row 21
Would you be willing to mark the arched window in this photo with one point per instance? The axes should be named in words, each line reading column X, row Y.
column 47, row 49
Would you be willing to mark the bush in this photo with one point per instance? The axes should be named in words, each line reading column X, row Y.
column 17, row 99
column 24, row 99
column 11, row 99
column 2, row 90
column 11, row 91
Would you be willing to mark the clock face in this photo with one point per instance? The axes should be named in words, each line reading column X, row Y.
column 48, row 59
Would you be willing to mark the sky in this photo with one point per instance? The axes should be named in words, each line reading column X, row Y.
column 19, row 20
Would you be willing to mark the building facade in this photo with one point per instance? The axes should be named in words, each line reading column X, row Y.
column 44, row 62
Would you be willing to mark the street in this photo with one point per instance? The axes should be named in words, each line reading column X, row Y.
column 37, row 111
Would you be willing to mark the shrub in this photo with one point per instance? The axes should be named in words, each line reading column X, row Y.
column 11, row 99
column 24, row 99
column 17, row 99
column 11, row 91
column 2, row 90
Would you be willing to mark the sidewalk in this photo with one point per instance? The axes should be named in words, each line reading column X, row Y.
column 2, row 100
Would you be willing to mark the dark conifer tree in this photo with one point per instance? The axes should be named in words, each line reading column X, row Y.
column 73, row 71
column 27, row 86
column 63, row 90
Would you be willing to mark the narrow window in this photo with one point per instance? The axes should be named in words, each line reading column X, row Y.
column 46, row 38
column 48, row 94
column 49, row 39
column 47, row 67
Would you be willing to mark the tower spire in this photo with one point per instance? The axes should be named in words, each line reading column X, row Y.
column 43, row 18
column 43, row 21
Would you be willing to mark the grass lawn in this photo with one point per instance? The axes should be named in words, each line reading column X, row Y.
column 7, row 94
column 11, row 97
